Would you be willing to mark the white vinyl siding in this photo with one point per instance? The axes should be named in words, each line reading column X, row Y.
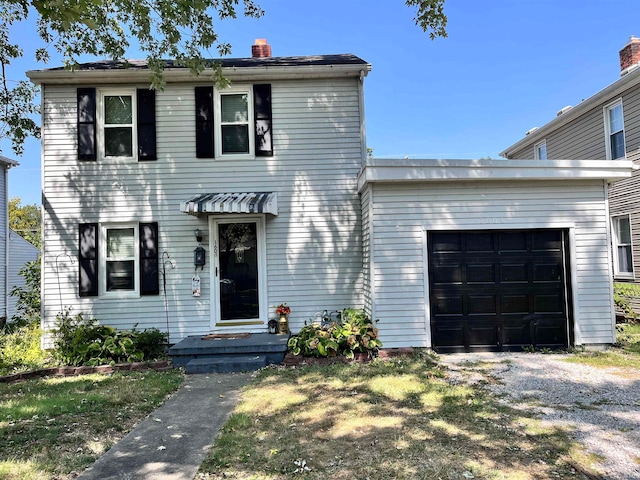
column 314, row 255
column 400, row 214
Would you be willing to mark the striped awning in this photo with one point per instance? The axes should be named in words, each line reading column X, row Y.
column 253, row 202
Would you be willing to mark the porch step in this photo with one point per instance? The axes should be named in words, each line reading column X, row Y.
column 226, row 364
column 198, row 354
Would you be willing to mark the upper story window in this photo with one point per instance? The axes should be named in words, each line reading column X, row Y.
column 117, row 132
column 540, row 150
column 234, row 116
column 116, row 124
column 233, row 123
column 614, row 130
column 622, row 246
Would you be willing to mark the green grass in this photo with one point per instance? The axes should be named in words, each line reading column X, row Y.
column 51, row 427
column 398, row 419
column 625, row 354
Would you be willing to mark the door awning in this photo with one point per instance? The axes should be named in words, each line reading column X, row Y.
column 252, row 202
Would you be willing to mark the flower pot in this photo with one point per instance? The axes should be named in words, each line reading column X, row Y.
column 283, row 324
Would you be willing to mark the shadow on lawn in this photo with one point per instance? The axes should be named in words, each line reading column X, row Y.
column 394, row 419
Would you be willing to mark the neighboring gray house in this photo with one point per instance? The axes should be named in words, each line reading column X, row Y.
column 605, row 126
column 5, row 285
column 20, row 252
column 196, row 210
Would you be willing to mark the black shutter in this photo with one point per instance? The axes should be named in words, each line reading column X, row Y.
column 86, row 123
column 146, row 102
column 204, row 122
column 88, row 260
column 149, row 273
column 262, row 112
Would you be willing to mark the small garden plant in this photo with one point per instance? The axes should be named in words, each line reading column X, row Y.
column 355, row 333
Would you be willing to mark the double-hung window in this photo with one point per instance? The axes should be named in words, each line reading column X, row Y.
column 233, row 123
column 235, row 117
column 540, row 150
column 117, row 130
column 120, row 258
column 622, row 246
column 614, row 130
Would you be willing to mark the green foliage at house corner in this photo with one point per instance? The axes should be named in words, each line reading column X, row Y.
column 623, row 293
column 25, row 220
column 354, row 334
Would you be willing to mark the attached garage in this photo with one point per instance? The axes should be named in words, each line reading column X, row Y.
column 499, row 289
column 463, row 255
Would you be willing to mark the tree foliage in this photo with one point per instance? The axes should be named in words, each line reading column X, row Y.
column 25, row 220
column 183, row 30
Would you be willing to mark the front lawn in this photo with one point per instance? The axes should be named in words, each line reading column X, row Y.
column 51, row 427
column 401, row 419
column 624, row 354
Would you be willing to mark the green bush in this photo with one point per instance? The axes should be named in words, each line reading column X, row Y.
column 622, row 294
column 80, row 341
column 28, row 297
column 354, row 334
column 20, row 348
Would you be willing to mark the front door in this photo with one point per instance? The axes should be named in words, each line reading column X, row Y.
column 238, row 271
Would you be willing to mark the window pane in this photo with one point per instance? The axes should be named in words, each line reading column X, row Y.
column 624, row 230
column 118, row 142
column 120, row 275
column 120, row 243
column 235, row 108
column 624, row 259
column 617, row 145
column 615, row 119
column 542, row 151
column 118, row 109
column 235, row 139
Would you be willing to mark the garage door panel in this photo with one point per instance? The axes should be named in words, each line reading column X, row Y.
column 498, row 289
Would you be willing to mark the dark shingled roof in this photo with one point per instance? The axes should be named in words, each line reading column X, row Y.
column 311, row 60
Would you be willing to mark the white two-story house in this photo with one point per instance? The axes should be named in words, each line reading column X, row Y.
column 195, row 209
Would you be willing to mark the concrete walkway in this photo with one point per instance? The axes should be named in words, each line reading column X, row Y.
column 173, row 441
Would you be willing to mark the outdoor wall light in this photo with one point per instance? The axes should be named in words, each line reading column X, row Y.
column 198, row 235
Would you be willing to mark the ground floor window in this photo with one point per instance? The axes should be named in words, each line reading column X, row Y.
column 622, row 246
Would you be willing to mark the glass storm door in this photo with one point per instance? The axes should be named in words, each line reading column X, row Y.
column 237, row 270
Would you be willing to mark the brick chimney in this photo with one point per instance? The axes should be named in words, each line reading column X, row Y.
column 261, row 49
column 630, row 55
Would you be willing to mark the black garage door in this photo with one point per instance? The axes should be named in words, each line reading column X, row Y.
column 499, row 290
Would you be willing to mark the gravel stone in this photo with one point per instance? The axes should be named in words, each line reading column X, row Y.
column 600, row 407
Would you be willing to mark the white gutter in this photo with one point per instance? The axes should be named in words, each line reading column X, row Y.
column 386, row 170
column 183, row 75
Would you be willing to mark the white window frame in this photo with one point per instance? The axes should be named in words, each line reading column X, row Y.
column 101, row 123
column 608, row 131
column 236, row 90
column 615, row 231
column 537, row 148
column 102, row 266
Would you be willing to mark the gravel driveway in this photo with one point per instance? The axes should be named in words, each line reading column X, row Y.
column 600, row 407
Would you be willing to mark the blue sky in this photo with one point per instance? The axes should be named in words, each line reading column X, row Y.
column 507, row 66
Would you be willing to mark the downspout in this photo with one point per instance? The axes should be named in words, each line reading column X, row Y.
column 363, row 125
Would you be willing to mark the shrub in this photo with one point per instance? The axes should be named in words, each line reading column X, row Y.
column 355, row 333
column 20, row 348
column 28, row 297
column 81, row 341
column 622, row 293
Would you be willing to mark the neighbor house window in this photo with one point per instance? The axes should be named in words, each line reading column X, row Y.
column 541, row 150
column 614, row 131
column 233, row 123
column 117, row 128
column 622, row 246
column 120, row 258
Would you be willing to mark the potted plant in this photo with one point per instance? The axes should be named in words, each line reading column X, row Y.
column 283, row 310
